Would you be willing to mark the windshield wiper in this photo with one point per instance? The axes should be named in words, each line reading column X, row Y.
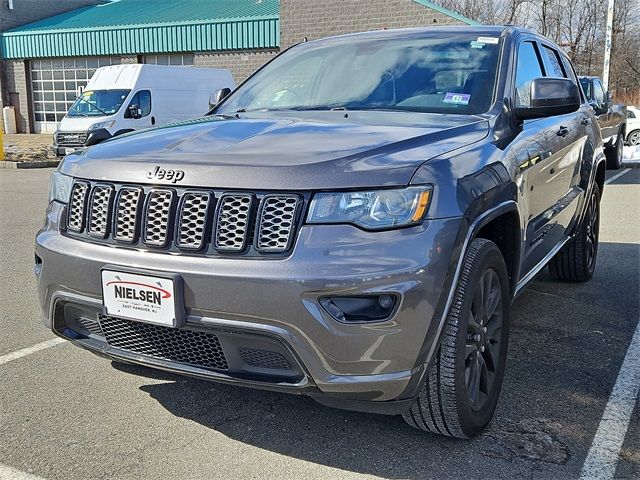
column 93, row 105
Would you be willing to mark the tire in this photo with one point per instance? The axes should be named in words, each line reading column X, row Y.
column 451, row 403
column 634, row 137
column 576, row 262
column 614, row 153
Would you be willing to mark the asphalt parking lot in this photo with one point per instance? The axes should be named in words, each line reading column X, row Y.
column 67, row 414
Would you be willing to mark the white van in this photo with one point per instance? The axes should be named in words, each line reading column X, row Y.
column 122, row 98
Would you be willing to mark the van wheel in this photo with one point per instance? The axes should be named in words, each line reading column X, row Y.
column 614, row 153
column 576, row 262
column 464, row 378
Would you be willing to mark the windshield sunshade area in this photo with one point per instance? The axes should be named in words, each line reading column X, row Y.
column 443, row 74
column 98, row 103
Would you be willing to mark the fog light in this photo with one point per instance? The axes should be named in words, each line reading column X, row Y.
column 386, row 301
column 361, row 308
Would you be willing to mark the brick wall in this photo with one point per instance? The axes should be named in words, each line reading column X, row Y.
column 241, row 63
column 16, row 81
column 314, row 19
column 28, row 11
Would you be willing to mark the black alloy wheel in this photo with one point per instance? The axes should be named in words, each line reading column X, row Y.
column 484, row 338
column 576, row 262
column 592, row 220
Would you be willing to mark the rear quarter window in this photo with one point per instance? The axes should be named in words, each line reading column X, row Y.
column 553, row 62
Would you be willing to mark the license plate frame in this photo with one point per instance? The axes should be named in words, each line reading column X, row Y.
column 142, row 295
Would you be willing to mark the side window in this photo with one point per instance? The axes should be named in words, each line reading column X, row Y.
column 553, row 62
column 527, row 69
column 571, row 74
column 598, row 92
column 630, row 114
column 142, row 98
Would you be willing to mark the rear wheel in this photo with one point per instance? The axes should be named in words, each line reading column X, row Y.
column 464, row 379
column 614, row 153
column 634, row 138
column 576, row 262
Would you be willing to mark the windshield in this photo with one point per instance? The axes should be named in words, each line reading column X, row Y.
column 448, row 74
column 98, row 103
column 586, row 86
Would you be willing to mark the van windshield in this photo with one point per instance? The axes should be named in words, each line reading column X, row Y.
column 447, row 73
column 98, row 103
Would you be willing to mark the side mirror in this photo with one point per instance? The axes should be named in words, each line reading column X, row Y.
column 135, row 111
column 218, row 95
column 549, row 97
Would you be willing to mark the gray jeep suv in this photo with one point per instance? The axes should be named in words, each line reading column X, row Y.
column 351, row 223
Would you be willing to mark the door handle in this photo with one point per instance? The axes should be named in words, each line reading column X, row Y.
column 562, row 132
column 153, row 120
column 585, row 121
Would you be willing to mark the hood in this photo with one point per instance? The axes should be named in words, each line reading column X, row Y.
column 326, row 150
column 81, row 124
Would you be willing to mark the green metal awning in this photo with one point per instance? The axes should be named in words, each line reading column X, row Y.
column 125, row 27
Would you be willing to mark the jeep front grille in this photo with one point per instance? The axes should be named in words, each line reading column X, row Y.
column 233, row 222
column 277, row 219
column 77, row 205
column 99, row 210
column 126, row 214
column 178, row 219
column 192, row 221
column 156, row 217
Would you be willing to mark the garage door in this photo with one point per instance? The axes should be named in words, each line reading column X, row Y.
column 55, row 84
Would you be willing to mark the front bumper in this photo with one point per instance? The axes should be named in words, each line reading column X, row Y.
column 365, row 366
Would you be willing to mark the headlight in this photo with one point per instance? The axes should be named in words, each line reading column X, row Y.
column 99, row 125
column 372, row 210
column 60, row 187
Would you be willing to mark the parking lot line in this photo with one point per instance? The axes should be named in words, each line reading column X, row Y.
column 603, row 455
column 9, row 357
column 617, row 176
column 9, row 473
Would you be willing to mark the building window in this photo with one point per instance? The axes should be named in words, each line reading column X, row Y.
column 55, row 84
column 177, row 59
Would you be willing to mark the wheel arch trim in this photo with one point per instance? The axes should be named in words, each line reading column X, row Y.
column 481, row 220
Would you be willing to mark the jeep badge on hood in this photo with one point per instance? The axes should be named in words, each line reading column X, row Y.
column 161, row 174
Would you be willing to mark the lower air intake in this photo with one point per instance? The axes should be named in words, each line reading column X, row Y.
column 200, row 349
column 264, row 359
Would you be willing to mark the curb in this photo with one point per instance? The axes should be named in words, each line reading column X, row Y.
column 630, row 164
column 38, row 164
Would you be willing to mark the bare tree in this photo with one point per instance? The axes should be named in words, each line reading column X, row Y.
column 579, row 27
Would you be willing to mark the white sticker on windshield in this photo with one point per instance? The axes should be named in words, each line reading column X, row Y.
column 491, row 40
column 457, row 98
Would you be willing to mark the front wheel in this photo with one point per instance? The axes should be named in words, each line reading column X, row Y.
column 576, row 262
column 634, row 138
column 464, row 379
